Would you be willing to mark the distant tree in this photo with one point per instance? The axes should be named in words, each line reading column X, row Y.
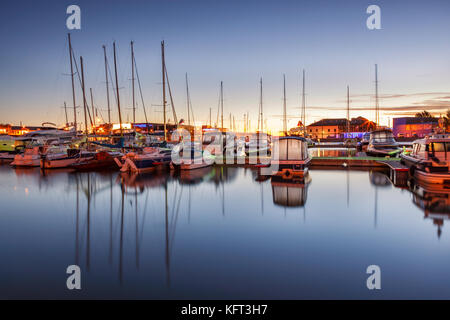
column 424, row 114
column 447, row 119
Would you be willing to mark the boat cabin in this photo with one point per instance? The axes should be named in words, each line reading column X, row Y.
column 382, row 137
column 431, row 149
column 290, row 149
column 291, row 156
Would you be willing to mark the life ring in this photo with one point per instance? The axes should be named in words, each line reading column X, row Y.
column 287, row 174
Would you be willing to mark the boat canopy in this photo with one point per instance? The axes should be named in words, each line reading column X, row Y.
column 436, row 148
column 291, row 148
column 382, row 136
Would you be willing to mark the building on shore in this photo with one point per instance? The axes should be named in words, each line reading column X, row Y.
column 8, row 129
column 414, row 126
column 338, row 128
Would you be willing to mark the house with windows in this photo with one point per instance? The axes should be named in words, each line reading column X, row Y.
column 327, row 128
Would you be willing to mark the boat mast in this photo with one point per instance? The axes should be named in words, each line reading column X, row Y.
column 93, row 111
column 73, row 86
column 117, row 89
column 210, row 120
column 107, row 85
column 65, row 112
column 348, row 110
column 187, row 101
column 377, row 107
column 245, row 123
column 132, row 82
column 260, row 116
column 221, row 103
column 284, row 106
column 84, row 96
column 304, row 106
column 164, row 88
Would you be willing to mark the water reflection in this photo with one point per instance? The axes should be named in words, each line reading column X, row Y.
column 290, row 194
column 379, row 180
column 434, row 200
column 215, row 233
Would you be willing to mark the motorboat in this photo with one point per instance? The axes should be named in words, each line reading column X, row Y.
column 61, row 157
column 9, row 148
column 429, row 160
column 382, row 144
column 362, row 145
column 30, row 157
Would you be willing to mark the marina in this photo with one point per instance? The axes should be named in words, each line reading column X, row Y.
column 205, row 152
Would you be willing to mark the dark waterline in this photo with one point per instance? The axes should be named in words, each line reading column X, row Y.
column 219, row 233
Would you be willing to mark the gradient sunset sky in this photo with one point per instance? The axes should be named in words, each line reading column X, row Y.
column 233, row 41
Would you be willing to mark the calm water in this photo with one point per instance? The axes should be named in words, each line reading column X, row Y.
column 219, row 233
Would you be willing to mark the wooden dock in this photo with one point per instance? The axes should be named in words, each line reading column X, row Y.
column 398, row 173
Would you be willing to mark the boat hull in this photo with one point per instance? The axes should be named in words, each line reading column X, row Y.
column 193, row 166
column 432, row 178
column 382, row 152
column 26, row 161
column 291, row 170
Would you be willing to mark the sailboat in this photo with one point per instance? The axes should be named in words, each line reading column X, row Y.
column 259, row 143
column 148, row 158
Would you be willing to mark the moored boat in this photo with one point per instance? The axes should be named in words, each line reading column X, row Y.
column 429, row 160
column 64, row 158
column 382, row 144
column 9, row 148
column 102, row 160
column 31, row 157
column 145, row 160
column 290, row 157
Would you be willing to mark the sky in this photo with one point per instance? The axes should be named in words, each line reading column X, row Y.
column 234, row 41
